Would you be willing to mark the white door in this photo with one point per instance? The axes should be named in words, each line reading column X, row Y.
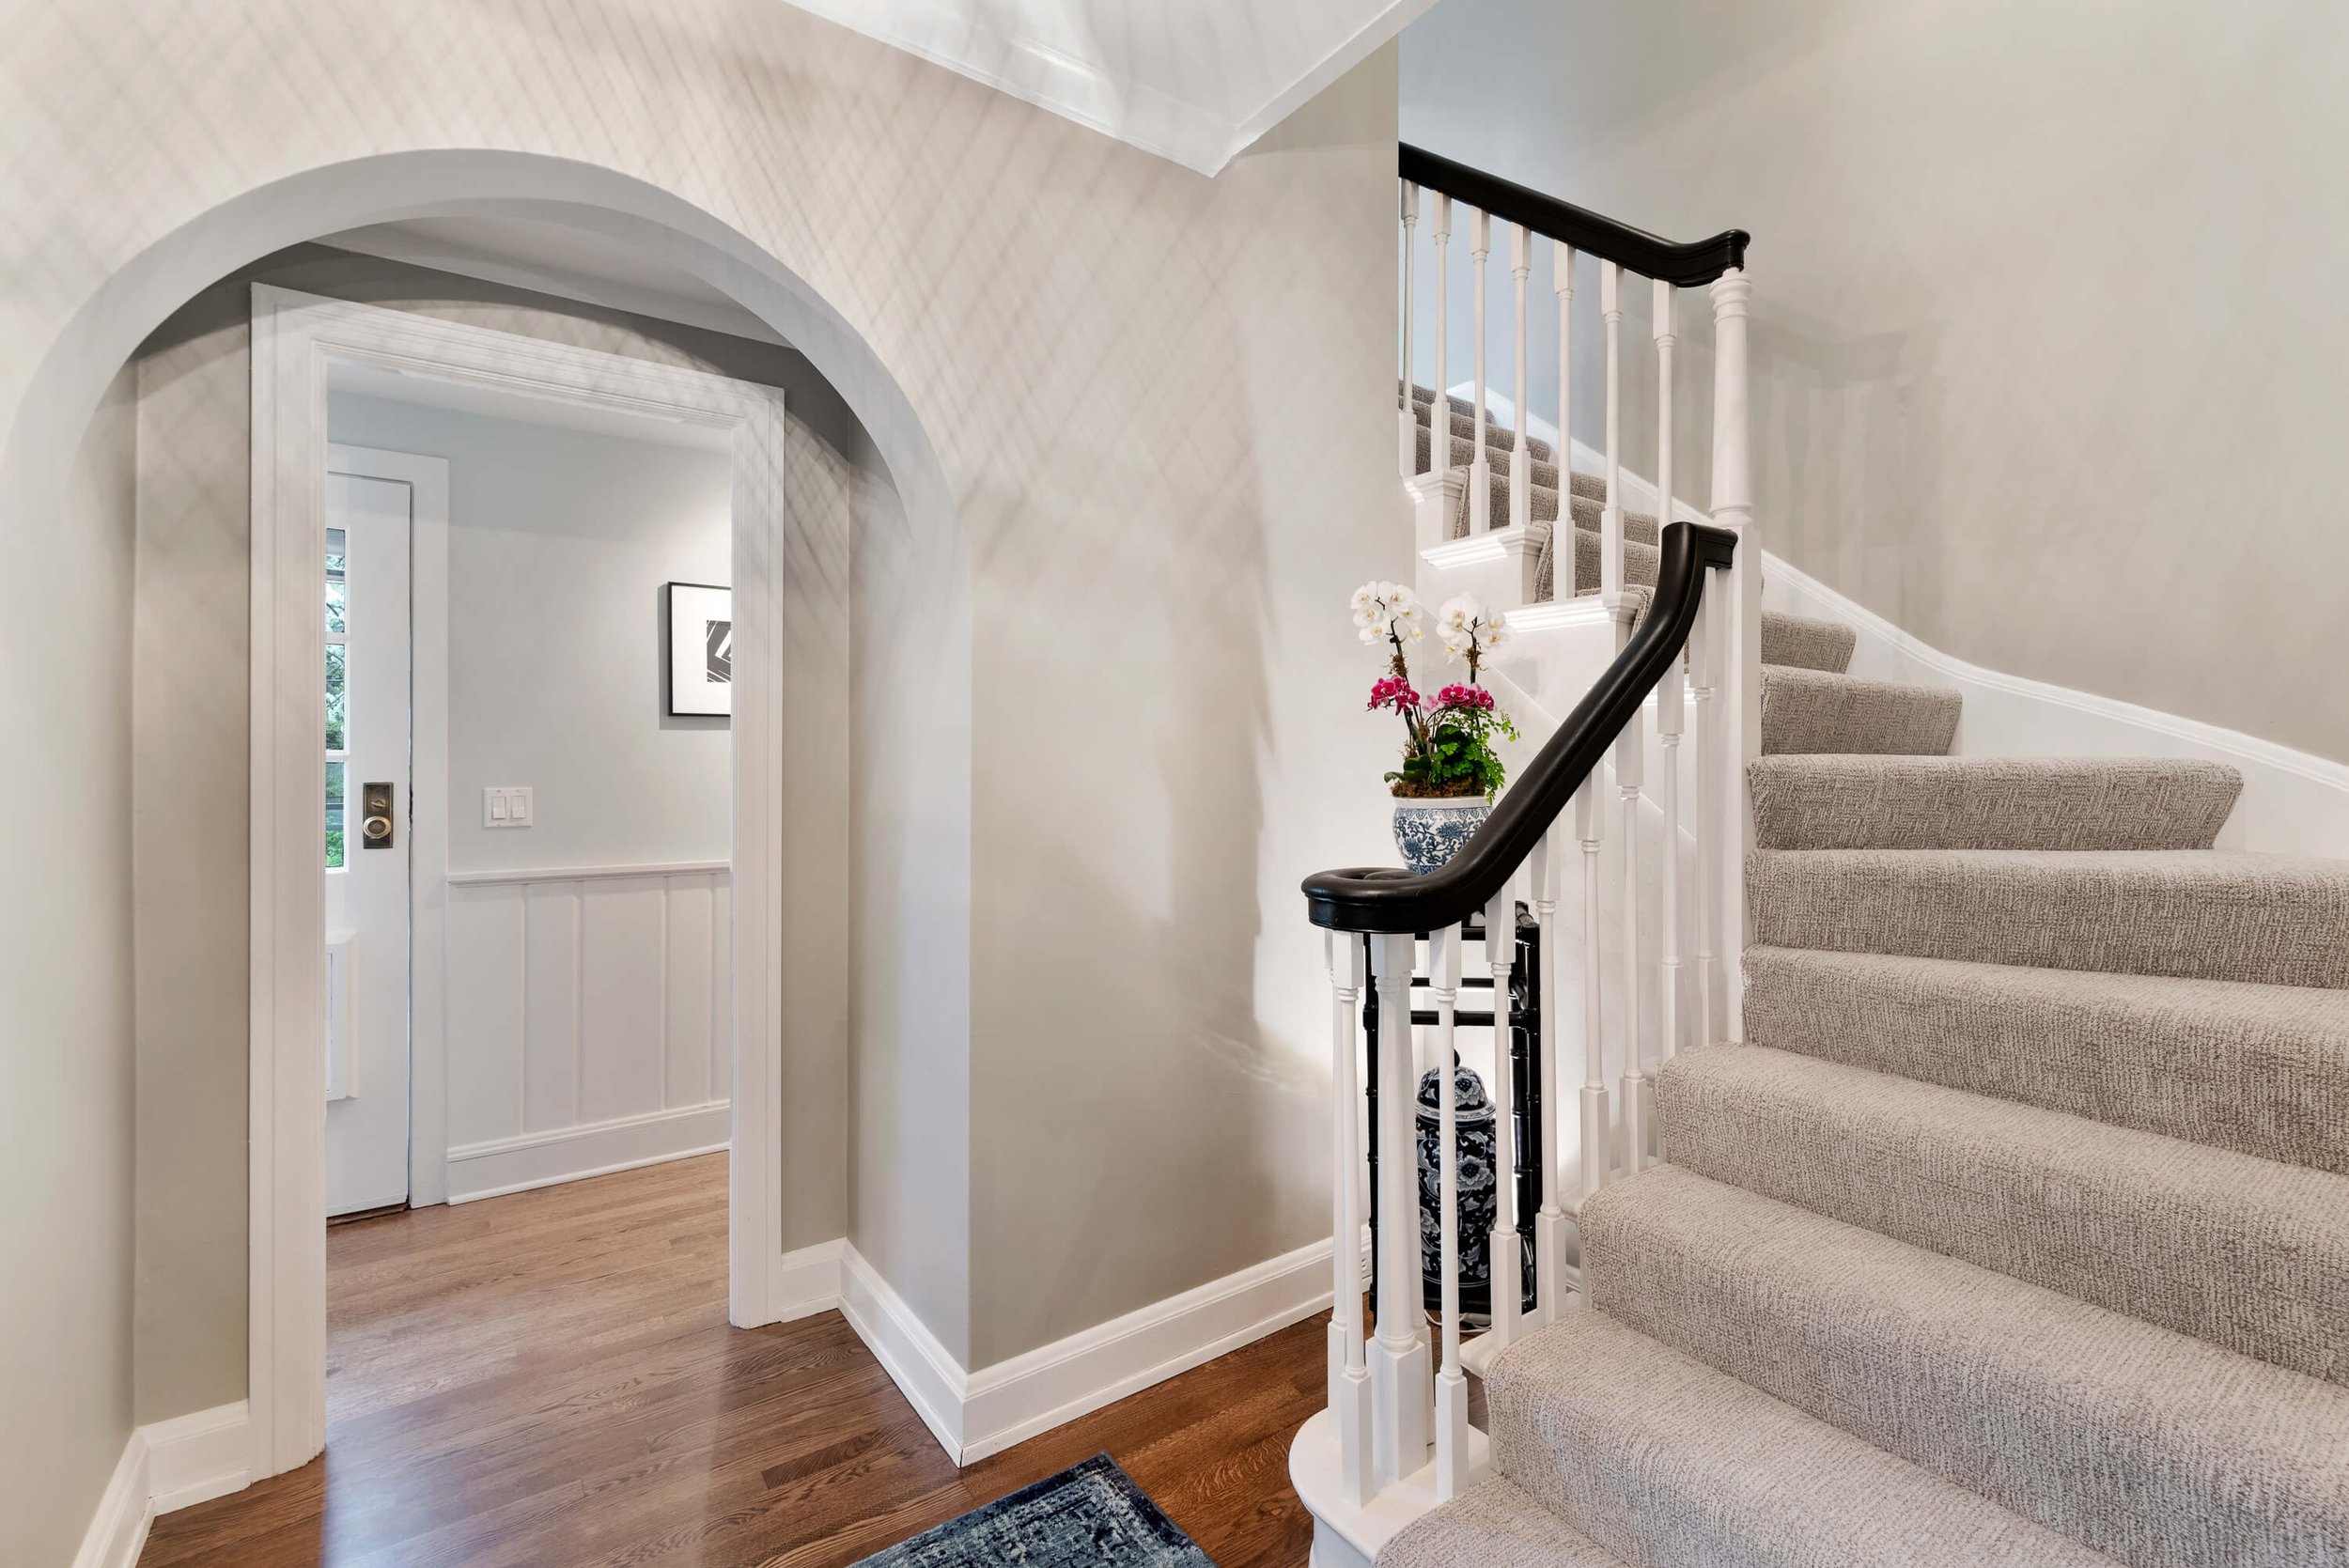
column 368, row 821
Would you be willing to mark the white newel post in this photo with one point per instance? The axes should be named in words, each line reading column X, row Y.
column 1549, row 1222
column 1410, row 421
column 1740, row 652
column 1436, row 495
column 1502, row 1253
column 1452, row 1423
column 1481, row 471
column 1399, row 1370
column 1350, row 1374
column 1520, row 459
column 1589, row 827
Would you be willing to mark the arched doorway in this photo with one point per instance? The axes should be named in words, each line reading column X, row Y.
column 285, row 1290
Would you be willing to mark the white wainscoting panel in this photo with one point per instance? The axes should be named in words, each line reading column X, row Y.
column 589, row 1021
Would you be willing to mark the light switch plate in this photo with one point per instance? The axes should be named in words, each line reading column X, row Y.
column 507, row 806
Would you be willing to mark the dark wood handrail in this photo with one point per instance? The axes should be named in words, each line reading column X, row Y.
column 1689, row 266
column 1383, row 898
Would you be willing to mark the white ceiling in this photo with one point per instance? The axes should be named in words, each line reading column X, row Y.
column 1195, row 80
column 400, row 386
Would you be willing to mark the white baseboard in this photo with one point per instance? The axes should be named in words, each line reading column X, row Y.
column 168, row 1465
column 193, row 1459
column 809, row 1279
column 975, row 1414
column 1012, row 1401
column 507, row 1165
column 932, row 1381
column 117, row 1531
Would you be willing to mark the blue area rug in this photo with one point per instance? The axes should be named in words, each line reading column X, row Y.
column 1090, row 1515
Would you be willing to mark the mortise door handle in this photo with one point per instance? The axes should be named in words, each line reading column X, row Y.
column 374, row 822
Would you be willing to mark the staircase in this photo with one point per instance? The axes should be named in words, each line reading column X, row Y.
column 1962, row 1161
column 2017, row 1229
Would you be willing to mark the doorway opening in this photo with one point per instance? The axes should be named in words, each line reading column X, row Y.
column 540, row 893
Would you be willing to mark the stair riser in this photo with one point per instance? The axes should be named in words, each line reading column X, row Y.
column 1987, row 804
column 2122, row 916
column 1808, row 712
column 1800, row 643
column 2066, row 1414
column 2262, row 1071
column 2234, row 1250
column 1653, row 1455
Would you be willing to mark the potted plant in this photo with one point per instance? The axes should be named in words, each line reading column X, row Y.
column 1450, row 771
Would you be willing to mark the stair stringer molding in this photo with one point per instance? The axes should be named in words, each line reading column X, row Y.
column 2293, row 802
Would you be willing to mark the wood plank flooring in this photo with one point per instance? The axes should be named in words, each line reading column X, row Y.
column 549, row 1380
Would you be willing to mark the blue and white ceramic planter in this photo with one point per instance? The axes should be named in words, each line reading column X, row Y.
column 1429, row 833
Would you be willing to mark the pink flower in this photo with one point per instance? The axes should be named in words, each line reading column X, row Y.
column 1464, row 696
column 1393, row 692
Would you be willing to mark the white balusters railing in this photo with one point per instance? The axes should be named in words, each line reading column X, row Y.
column 1409, row 209
column 1481, row 471
column 1605, row 930
column 1521, row 455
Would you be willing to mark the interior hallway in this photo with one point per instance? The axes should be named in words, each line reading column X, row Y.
column 549, row 1379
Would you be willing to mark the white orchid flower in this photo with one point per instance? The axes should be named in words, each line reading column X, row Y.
column 1383, row 610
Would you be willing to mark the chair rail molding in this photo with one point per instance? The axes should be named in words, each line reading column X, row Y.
column 294, row 335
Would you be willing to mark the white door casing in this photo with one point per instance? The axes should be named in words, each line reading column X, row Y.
column 294, row 335
column 366, row 880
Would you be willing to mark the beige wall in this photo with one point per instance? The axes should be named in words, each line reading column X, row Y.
column 193, row 764
column 1149, row 445
column 2048, row 357
column 65, row 984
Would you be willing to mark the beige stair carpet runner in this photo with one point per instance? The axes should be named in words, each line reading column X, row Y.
column 2017, row 1230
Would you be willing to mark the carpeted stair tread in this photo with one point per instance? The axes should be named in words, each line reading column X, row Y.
column 1663, row 1460
column 1802, row 643
column 1835, row 802
column 1494, row 1523
column 1815, row 710
column 2276, row 920
column 1639, row 562
column 2140, row 1442
column 1498, row 437
column 2240, row 1251
column 1543, row 472
column 2259, row 1069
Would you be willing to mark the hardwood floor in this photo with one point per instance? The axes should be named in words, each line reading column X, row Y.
column 549, row 1380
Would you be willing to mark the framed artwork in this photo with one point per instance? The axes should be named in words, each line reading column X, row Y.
column 701, row 649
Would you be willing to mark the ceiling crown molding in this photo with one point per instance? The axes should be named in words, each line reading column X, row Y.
column 979, row 42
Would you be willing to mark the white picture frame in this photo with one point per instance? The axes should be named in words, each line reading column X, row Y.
column 700, row 681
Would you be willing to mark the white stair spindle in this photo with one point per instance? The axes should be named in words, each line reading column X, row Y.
column 1350, row 1374
column 1611, row 579
column 1452, row 1423
column 1739, row 686
column 1481, row 471
column 1439, row 410
column 1410, row 420
column 1670, row 716
column 1503, row 1253
column 1399, row 1370
column 1703, row 661
column 1522, row 460
column 1561, row 541
column 1549, row 1222
column 1589, row 827
column 1667, row 340
column 1637, row 1108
